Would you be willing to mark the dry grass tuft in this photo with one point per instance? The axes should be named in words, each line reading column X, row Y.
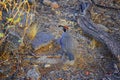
column 84, row 61
column 32, row 31
column 94, row 44
column 50, row 47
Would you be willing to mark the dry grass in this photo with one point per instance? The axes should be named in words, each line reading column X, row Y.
column 83, row 61
column 94, row 44
column 16, row 10
column 50, row 47
column 32, row 31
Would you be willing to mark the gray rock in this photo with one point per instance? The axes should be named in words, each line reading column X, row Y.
column 42, row 38
column 13, row 41
column 31, row 2
column 45, row 59
column 47, row 2
column 33, row 74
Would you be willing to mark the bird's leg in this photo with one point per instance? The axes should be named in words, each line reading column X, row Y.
column 63, row 56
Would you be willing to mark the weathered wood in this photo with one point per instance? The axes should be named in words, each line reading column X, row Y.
column 105, row 38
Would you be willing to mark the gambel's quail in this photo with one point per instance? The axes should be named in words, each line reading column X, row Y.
column 67, row 43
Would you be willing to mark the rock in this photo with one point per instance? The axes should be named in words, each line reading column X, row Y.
column 54, row 5
column 31, row 2
column 1, row 71
column 45, row 43
column 69, row 62
column 47, row 65
column 66, row 22
column 13, row 41
column 33, row 74
column 47, row 2
column 45, row 59
column 4, row 16
column 42, row 39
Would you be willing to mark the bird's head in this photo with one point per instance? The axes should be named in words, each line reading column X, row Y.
column 65, row 28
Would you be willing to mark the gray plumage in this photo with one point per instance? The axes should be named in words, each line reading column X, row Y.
column 67, row 45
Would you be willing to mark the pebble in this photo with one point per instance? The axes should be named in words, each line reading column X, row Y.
column 47, row 2
column 33, row 74
column 31, row 2
column 44, row 59
column 47, row 65
column 55, row 5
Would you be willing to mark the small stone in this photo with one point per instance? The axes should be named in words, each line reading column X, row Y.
column 34, row 74
column 31, row 2
column 47, row 65
column 55, row 5
column 44, row 59
column 47, row 2
column 70, row 62
column 12, row 41
column 1, row 71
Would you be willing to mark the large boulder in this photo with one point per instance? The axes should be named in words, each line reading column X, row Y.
column 44, row 42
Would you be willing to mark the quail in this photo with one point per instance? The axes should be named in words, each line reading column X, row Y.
column 67, row 43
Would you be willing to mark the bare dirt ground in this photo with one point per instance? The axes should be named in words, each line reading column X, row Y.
column 93, row 61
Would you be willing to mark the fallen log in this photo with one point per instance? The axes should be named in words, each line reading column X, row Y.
column 92, row 30
column 98, row 34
